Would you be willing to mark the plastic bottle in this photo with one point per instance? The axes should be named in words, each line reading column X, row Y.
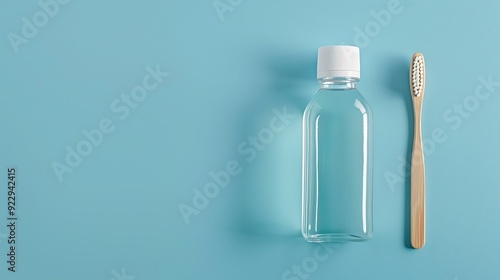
column 337, row 153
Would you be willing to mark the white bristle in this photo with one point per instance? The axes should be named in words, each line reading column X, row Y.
column 417, row 75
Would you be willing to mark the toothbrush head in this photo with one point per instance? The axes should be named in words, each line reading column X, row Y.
column 417, row 74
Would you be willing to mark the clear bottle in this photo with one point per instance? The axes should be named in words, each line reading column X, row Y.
column 337, row 153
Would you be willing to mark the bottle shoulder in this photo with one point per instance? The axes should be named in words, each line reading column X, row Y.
column 338, row 101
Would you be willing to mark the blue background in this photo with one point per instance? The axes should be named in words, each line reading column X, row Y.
column 116, row 215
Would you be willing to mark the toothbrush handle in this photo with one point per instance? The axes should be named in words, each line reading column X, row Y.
column 417, row 187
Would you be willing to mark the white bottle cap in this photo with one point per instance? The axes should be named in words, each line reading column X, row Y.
column 338, row 61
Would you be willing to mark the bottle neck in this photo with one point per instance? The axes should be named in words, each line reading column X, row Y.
column 339, row 83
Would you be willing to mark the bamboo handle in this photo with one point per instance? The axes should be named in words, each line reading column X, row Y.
column 417, row 185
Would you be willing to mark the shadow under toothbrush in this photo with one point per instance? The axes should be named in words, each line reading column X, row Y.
column 399, row 71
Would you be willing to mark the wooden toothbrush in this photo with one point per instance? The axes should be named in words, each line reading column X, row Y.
column 417, row 85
